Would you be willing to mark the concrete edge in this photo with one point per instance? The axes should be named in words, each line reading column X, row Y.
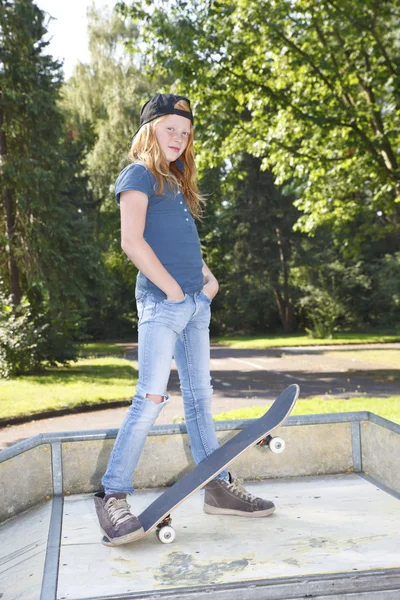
column 356, row 446
column 51, row 565
column 345, row 585
column 53, row 413
column 380, row 485
column 384, row 422
column 102, row 434
column 56, row 469
column 21, row 447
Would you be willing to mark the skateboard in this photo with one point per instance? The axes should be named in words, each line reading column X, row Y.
column 157, row 514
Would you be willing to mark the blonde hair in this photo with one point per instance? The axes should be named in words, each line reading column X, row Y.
column 145, row 147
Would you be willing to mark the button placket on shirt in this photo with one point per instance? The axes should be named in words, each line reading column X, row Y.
column 185, row 209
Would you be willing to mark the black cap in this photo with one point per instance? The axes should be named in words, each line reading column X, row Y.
column 160, row 105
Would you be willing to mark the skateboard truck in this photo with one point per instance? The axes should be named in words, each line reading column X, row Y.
column 275, row 444
column 165, row 532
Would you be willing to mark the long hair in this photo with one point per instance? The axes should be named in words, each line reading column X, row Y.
column 145, row 147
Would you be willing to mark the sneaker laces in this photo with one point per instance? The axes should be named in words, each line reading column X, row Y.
column 118, row 510
column 237, row 488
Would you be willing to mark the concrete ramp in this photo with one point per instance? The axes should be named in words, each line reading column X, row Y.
column 333, row 535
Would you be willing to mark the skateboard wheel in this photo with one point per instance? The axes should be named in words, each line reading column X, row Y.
column 277, row 445
column 166, row 534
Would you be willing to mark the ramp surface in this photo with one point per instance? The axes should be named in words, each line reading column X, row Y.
column 331, row 537
column 322, row 525
column 23, row 553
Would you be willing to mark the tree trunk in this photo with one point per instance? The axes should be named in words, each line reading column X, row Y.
column 284, row 303
column 285, row 310
column 9, row 212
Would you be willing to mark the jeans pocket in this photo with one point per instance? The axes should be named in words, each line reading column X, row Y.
column 206, row 297
column 166, row 301
column 141, row 302
column 139, row 309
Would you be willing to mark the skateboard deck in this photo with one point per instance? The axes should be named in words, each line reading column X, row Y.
column 257, row 432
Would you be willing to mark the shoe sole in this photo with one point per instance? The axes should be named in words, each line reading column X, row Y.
column 126, row 539
column 214, row 510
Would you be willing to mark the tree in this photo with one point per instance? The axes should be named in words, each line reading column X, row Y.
column 102, row 103
column 257, row 220
column 50, row 255
column 313, row 85
column 26, row 79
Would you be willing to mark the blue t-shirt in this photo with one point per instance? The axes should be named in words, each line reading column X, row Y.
column 170, row 230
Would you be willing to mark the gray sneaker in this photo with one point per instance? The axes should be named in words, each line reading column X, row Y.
column 223, row 498
column 116, row 520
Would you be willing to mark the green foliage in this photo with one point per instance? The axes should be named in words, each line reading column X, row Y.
column 310, row 87
column 249, row 228
column 263, row 266
column 287, row 132
column 27, row 341
column 51, row 258
column 383, row 306
column 323, row 311
column 340, row 295
column 17, row 338
column 326, row 295
column 102, row 103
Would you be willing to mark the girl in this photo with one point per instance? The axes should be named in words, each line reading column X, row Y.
column 159, row 199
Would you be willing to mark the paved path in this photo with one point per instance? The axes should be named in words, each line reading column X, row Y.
column 243, row 378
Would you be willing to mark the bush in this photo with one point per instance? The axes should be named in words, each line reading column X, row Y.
column 17, row 338
column 384, row 299
column 242, row 307
column 323, row 312
column 335, row 298
column 29, row 342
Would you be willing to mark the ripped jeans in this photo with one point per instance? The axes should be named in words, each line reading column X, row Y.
column 167, row 329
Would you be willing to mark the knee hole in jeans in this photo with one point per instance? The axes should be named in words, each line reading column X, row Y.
column 156, row 398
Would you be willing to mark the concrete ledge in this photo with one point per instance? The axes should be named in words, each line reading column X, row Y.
column 380, row 453
column 310, row 450
column 102, row 434
column 316, row 445
column 25, row 480
column 367, row 585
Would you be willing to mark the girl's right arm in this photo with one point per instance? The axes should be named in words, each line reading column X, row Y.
column 133, row 205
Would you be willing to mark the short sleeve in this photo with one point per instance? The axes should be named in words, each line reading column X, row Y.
column 134, row 177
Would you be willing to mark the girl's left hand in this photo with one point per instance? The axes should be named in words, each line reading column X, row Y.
column 210, row 288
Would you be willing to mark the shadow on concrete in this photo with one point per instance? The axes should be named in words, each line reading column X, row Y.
column 267, row 384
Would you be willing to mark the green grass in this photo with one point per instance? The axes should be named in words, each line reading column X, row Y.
column 389, row 408
column 100, row 377
column 273, row 341
column 387, row 358
column 86, row 382
column 101, row 349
